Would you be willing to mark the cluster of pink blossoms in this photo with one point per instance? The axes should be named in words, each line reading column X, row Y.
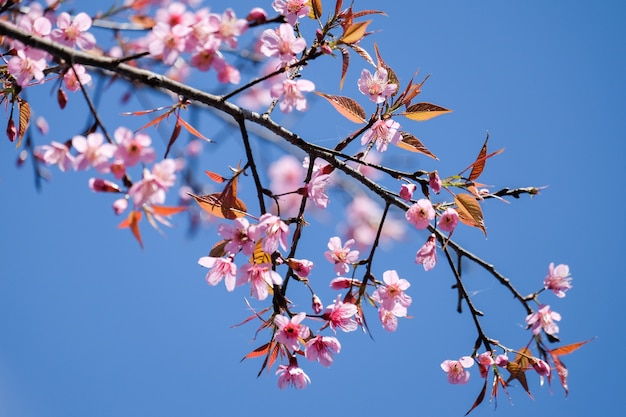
column 28, row 64
column 557, row 280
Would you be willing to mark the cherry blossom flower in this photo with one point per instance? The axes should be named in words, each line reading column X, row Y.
column 485, row 360
column 154, row 184
column 427, row 254
column 406, row 191
column 120, row 205
column 289, row 331
column 261, row 278
column 456, row 369
column 421, row 213
column 448, row 220
column 133, row 148
column 56, row 154
column 340, row 316
column 544, row 319
column 92, row 152
column 290, row 93
column 342, row 257
column 220, row 269
column 321, row 349
column 541, row 367
column 75, row 76
column 388, row 319
column 292, row 9
column 230, row 28
column 168, row 41
column 434, row 181
column 502, row 360
column 237, row 236
column 207, row 55
column 282, row 43
column 73, row 32
column 175, row 13
column 276, row 232
column 343, row 283
column 316, row 189
column 26, row 65
column 377, row 86
column 292, row 375
column 391, row 296
column 301, row 267
column 383, row 132
column 558, row 279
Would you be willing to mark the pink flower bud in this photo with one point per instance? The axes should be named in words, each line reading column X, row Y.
column 302, row 267
column 257, row 16
column 502, row 360
column 316, row 304
column 342, row 283
column 541, row 367
column 435, row 182
column 406, row 191
column 103, row 186
column 120, row 205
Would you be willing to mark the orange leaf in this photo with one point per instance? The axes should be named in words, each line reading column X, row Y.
column 345, row 63
column 518, row 367
column 192, row 130
column 215, row 177
column 421, row 112
column 346, row 106
column 260, row 351
column 316, row 9
column 470, row 212
column 480, row 398
column 564, row 350
column 167, row 211
column 364, row 54
column 413, row 144
column 132, row 222
column 24, row 108
column 156, row 120
column 144, row 21
column 479, row 164
column 354, row 32
column 173, row 137
column 225, row 204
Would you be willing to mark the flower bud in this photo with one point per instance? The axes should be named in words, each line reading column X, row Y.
column 103, row 186
column 434, row 182
column 316, row 304
column 257, row 16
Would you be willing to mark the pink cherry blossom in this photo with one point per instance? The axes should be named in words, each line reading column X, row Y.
column 434, row 181
column 292, row 375
column 56, row 154
column 289, row 331
column 340, row 316
column 301, row 267
column 237, row 236
column 456, row 369
column 26, row 65
column 292, row 9
column 541, row 367
column 92, row 152
column 388, row 320
column 448, row 220
column 133, row 148
column 167, row 42
column 230, row 28
column 290, row 93
column 120, row 205
column 220, row 269
column 485, row 361
column 377, row 86
column 391, row 296
column 502, row 360
column 558, row 279
column 420, row 214
column 275, row 230
column 406, row 191
column 154, row 184
column 321, row 349
column 75, row 76
column 427, row 254
column 383, row 132
column 342, row 257
column 316, row 188
column 282, row 43
column 544, row 319
column 73, row 31
column 261, row 278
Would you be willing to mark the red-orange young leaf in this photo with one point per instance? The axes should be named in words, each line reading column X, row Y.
column 191, row 129
column 479, row 164
column 346, row 106
column 480, row 398
column 225, row 204
column 173, row 137
column 421, row 112
column 24, row 108
column 260, row 351
column 469, row 211
column 132, row 222
column 363, row 53
column 564, row 350
column 345, row 63
column 561, row 370
column 215, row 177
column 413, row 144
column 144, row 21
column 517, row 368
column 167, row 210
column 355, row 32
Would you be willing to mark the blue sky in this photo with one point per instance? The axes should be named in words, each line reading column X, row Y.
column 93, row 325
